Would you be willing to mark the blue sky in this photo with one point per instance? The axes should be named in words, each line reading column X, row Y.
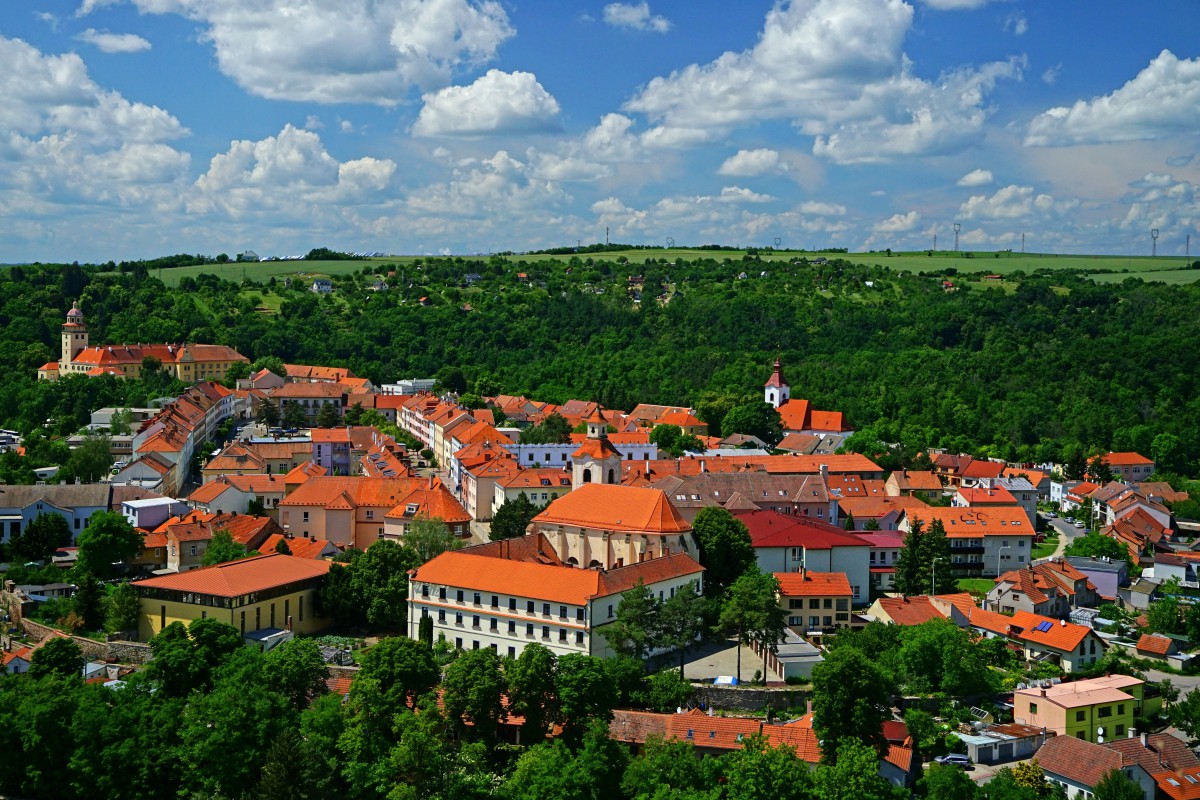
column 136, row 128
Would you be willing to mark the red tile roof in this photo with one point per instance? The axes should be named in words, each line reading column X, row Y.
column 615, row 508
column 1153, row 643
column 1126, row 459
column 813, row 584
column 773, row 529
column 973, row 522
column 1082, row 762
column 1061, row 635
column 242, row 577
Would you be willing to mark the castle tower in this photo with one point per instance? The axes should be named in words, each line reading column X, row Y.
column 776, row 390
column 596, row 460
column 74, row 337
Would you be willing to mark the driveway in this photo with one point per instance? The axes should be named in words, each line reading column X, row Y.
column 719, row 657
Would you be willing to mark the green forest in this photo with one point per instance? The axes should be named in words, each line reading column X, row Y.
column 1047, row 364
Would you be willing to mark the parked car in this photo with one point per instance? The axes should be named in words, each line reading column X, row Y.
column 956, row 760
column 1078, row 523
column 1049, row 515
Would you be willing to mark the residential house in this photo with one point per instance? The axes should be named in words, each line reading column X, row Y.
column 306, row 373
column 505, row 594
column 150, row 512
column 482, row 465
column 350, row 511
column 786, row 543
column 1078, row 766
column 258, row 457
column 914, row 483
column 1072, row 647
column 816, row 602
column 16, row 662
column 188, row 537
column 882, row 558
column 540, row 486
column 1051, row 589
column 1183, row 565
column 252, row 594
column 1129, row 466
column 1106, row 574
column 876, row 513
column 321, row 286
column 959, row 470
column 233, row 494
column 918, row 609
column 148, row 471
column 1174, row 767
column 427, row 499
column 1038, row 479
column 75, row 503
column 983, row 541
column 183, row 425
column 1019, row 488
column 1157, row 646
column 339, row 450
column 311, row 397
column 607, row 526
column 1092, row 710
column 1140, row 532
column 793, row 495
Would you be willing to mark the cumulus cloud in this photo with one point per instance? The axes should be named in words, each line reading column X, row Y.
column 1014, row 202
column 736, row 194
column 1162, row 100
column 1017, row 24
column 976, row 177
column 635, row 16
column 819, row 209
column 498, row 102
column 355, row 51
column 114, row 42
column 956, row 5
column 898, row 223
column 291, row 171
column 748, row 163
column 1050, row 76
column 837, row 70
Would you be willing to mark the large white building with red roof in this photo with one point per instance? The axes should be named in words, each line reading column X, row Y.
column 188, row 362
column 786, row 543
column 507, row 594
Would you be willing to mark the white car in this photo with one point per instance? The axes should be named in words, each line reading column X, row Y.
column 1078, row 523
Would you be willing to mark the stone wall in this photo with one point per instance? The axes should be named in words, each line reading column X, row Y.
column 737, row 698
column 118, row 652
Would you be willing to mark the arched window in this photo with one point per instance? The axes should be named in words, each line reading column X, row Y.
column 611, row 476
column 587, row 475
column 770, row 397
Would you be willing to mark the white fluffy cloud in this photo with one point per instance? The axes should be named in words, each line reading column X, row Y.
column 818, row 209
column 351, row 51
column 956, row 5
column 1162, row 100
column 976, row 177
column 498, row 102
column 636, row 16
column 837, row 70
column 898, row 223
column 290, row 172
column 1014, row 202
column 114, row 42
column 748, row 163
column 69, row 140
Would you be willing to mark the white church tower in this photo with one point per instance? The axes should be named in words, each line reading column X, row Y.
column 776, row 390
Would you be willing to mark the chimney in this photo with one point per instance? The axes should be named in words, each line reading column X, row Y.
column 1143, row 737
column 803, row 572
column 702, row 469
column 824, row 470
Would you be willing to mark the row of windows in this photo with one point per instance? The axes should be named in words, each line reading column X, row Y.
column 820, row 602
column 530, row 605
column 531, row 631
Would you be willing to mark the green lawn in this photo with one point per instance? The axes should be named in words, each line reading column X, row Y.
column 263, row 271
column 975, row 585
column 1046, row 548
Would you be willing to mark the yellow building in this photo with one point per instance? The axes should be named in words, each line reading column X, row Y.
column 1095, row 710
column 187, row 362
column 274, row 591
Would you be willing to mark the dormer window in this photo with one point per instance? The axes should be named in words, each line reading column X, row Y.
column 410, row 509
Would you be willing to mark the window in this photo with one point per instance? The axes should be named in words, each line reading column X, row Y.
column 529, row 629
column 495, row 601
column 512, row 627
column 458, row 643
column 304, row 517
column 579, row 614
column 610, row 612
column 458, row 619
column 474, row 620
column 545, row 609
column 512, row 604
column 827, row 603
column 827, row 621
column 1120, row 730
column 528, row 606
column 495, row 623
column 476, row 600
column 843, row 604
column 442, row 593
column 460, row 595
column 562, row 634
column 1080, row 715
column 1033, row 708
column 512, row 652
column 545, row 631
column 441, row 615
column 425, row 590
column 578, row 637
column 1120, row 708
column 474, row 644
column 814, row 622
column 370, row 513
column 1104, row 711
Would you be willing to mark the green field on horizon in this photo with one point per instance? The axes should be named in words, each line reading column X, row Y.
column 1107, row 269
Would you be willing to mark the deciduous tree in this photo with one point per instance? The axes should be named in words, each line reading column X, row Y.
column 851, row 698
column 59, row 657
column 513, row 517
column 107, row 540
column 473, row 689
column 725, row 548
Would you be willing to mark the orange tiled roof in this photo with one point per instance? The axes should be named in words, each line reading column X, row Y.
column 1153, row 643
column 813, row 584
column 241, row 577
column 973, row 522
column 998, row 496
column 596, row 449
column 618, row 508
column 1126, row 459
column 1065, row 637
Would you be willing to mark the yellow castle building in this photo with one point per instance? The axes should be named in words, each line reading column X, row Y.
column 187, row 362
